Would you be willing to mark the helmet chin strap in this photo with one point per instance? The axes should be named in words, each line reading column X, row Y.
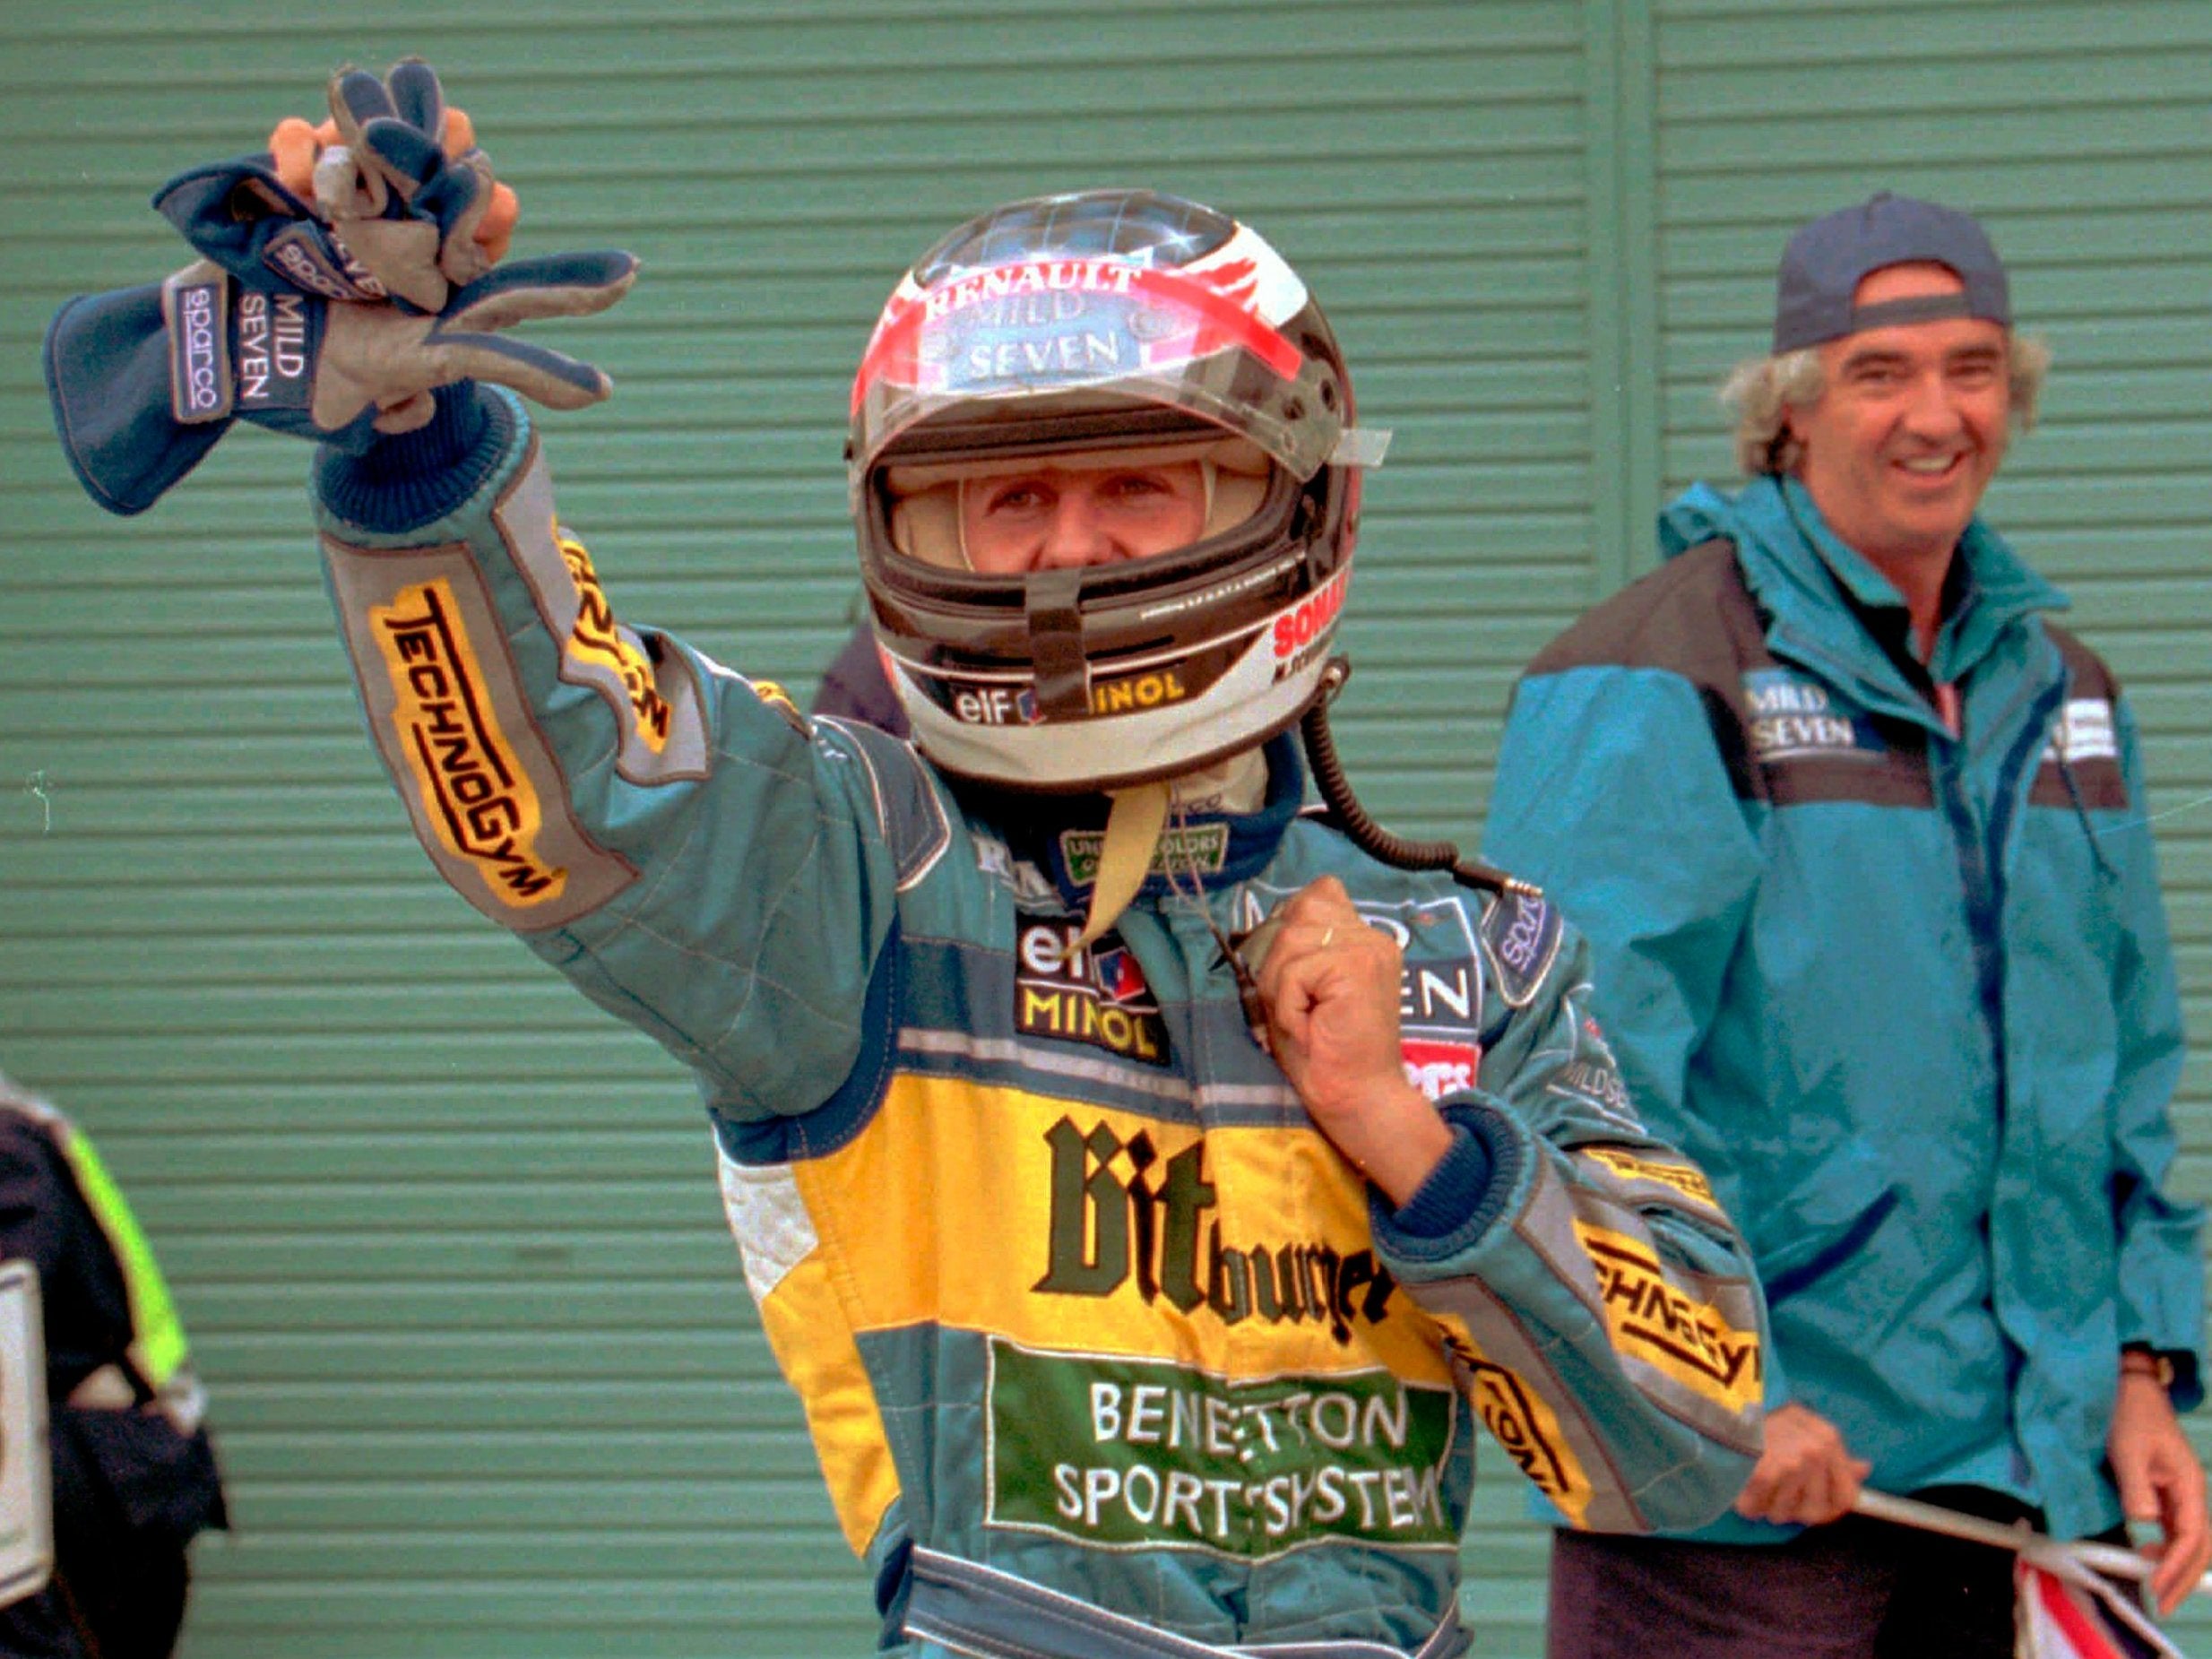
column 1138, row 818
column 1133, row 827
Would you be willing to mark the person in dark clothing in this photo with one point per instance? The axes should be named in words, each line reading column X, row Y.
column 134, row 1479
column 853, row 686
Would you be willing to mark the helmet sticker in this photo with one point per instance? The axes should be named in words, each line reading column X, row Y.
column 1039, row 322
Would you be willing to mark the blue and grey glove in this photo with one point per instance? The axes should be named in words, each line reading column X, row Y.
column 144, row 381
column 390, row 198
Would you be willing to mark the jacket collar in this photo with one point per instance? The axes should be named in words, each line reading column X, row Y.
column 1828, row 604
column 1061, row 834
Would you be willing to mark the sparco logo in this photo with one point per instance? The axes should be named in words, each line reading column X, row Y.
column 1521, row 945
column 326, row 267
column 195, row 310
column 1108, row 1228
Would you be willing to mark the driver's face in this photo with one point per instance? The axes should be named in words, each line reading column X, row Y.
column 1047, row 516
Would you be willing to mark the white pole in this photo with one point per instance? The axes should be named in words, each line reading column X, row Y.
column 2102, row 1557
column 2079, row 1564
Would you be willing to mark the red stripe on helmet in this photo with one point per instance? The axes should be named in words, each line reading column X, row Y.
column 1224, row 319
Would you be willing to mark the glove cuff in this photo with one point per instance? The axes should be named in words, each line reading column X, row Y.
column 106, row 358
column 412, row 478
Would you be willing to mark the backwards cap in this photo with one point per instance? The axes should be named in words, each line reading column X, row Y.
column 1825, row 261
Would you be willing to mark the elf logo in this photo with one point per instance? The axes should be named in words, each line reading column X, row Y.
column 1093, row 994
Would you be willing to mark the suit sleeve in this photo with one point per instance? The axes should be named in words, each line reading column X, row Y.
column 682, row 842
column 2161, row 1279
column 1598, row 1304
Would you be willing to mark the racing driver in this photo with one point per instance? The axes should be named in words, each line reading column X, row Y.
column 1144, row 1185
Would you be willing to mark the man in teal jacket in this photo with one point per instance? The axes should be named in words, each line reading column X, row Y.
column 1861, row 842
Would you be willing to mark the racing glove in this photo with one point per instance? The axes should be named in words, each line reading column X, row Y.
column 389, row 198
column 144, row 380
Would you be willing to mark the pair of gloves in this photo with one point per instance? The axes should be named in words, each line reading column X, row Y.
column 345, row 273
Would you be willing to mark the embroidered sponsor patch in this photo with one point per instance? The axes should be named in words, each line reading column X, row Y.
column 595, row 641
column 1128, row 1215
column 479, row 800
column 1597, row 1084
column 994, row 857
column 1185, row 847
column 273, row 351
column 1142, row 1453
column 1094, row 994
column 1439, row 980
column 778, row 699
column 2084, row 730
column 1648, row 1317
column 1529, row 1432
column 1440, row 1069
column 296, row 255
column 1521, row 934
column 1791, row 718
column 196, row 309
column 1685, row 1178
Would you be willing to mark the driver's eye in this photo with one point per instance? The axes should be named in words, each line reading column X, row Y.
column 1017, row 498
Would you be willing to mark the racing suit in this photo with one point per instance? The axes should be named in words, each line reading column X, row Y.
column 1103, row 1348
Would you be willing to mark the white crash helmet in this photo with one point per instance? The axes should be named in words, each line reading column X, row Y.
column 1113, row 327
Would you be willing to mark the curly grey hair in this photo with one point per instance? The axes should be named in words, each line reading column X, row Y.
column 1760, row 391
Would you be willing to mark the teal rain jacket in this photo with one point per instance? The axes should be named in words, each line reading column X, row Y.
column 1908, row 998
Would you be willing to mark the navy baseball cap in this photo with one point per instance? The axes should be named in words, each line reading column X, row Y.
column 1825, row 261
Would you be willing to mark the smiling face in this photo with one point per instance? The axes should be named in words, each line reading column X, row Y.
column 1046, row 517
column 1909, row 427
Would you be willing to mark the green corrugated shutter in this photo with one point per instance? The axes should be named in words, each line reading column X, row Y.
column 446, row 1239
